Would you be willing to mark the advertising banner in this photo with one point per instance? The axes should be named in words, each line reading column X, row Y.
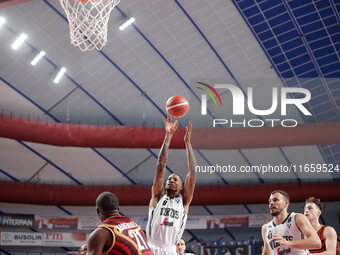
column 64, row 239
column 227, row 221
column 141, row 221
column 257, row 220
column 21, row 239
column 231, row 248
column 196, row 222
column 206, row 222
column 17, row 220
column 193, row 222
column 238, row 249
column 217, row 221
column 88, row 222
column 50, row 222
column 55, row 239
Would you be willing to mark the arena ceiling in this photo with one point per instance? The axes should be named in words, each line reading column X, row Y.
column 171, row 46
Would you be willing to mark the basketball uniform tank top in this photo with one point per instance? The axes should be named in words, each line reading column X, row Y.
column 323, row 242
column 128, row 237
column 166, row 221
column 287, row 230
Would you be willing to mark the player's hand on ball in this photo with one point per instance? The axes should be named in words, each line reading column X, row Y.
column 171, row 124
column 187, row 136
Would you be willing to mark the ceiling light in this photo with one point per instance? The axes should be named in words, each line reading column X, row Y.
column 18, row 42
column 59, row 75
column 127, row 23
column 2, row 21
column 37, row 58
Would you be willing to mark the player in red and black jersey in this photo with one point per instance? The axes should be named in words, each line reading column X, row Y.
column 327, row 234
column 117, row 234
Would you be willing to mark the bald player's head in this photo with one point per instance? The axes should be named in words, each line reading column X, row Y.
column 107, row 203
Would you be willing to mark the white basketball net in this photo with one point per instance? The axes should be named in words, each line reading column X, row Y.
column 88, row 21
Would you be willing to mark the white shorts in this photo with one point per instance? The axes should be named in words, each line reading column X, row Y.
column 160, row 249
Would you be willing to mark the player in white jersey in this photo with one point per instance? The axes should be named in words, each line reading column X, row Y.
column 287, row 233
column 169, row 205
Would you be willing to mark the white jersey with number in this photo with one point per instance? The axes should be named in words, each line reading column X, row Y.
column 287, row 230
column 166, row 225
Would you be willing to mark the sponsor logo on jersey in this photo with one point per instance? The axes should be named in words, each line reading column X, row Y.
column 284, row 251
column 167, row 223
column 164, row 221
column 169, row 212
column 273, row 244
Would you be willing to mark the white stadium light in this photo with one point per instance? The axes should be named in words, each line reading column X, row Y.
column 19, row 41
column 2, row 21
column 59, row 75
column 37, row 58
column 126, row 24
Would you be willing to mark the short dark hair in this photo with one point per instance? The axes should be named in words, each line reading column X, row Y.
column 283, row 193
column 182, row 185
column 107, row 202
column 316, row 201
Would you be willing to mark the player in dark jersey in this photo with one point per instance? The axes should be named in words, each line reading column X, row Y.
column 117, row 234
column 327, row 234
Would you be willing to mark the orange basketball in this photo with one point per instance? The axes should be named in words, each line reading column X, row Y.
column 177, row 106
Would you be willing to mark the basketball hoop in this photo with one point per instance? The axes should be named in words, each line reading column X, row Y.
column 88, row 21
